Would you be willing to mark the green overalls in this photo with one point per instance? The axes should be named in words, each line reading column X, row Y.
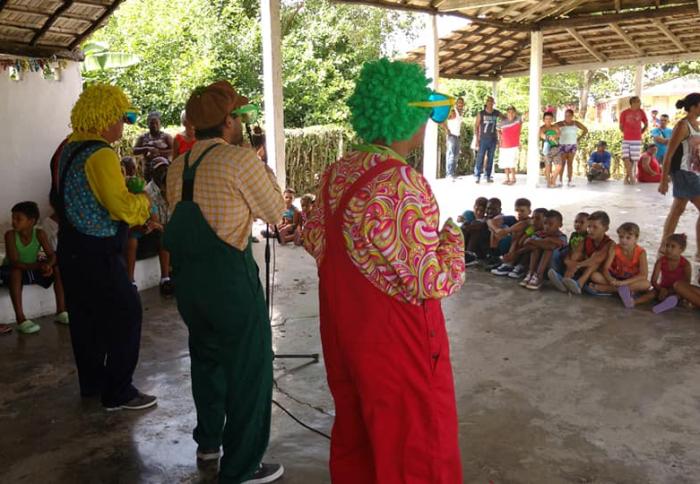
column 221, row 300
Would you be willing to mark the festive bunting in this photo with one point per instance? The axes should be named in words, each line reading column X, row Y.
column 24, row 64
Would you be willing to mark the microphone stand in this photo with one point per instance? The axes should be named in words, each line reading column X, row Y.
column 310, row 356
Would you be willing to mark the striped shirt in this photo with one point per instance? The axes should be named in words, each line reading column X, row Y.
column 232, row 188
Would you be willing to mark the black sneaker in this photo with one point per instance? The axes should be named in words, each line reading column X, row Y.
column 477, row 179
column 489, row 180
column 470, row 259
column 266, row 473
column 166, row 288
column 491, row 262
column 140, row 402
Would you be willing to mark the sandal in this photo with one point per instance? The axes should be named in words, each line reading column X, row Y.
column 28, row 327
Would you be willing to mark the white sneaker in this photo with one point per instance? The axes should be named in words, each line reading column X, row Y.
column 526, row 281
column 517, row 272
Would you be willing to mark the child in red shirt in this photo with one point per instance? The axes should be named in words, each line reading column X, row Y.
column 669, row 269
column 633, row 123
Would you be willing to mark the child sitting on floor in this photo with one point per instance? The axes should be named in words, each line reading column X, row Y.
column 688, row 292
column 519, row 255
column 669, row 269
column 284, row 232
column 479, row 246
column 542, row 246
column 307, row 205
column 576, row 238
column 587, row 258
column 23, row 264
column 473, row 222
column 625, row 270
column 523, row 211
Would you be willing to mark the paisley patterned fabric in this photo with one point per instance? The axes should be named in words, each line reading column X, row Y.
column 391, row 231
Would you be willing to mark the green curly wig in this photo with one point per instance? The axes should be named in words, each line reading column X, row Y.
column 379, row 109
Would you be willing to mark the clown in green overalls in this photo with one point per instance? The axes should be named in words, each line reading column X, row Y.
column 217, row 189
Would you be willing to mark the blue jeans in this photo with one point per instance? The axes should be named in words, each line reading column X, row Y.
column 487, row 148
column 452, row 154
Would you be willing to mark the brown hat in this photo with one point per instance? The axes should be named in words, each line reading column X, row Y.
column 208, row 106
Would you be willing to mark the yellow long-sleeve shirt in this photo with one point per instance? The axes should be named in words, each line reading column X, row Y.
column 104, row 175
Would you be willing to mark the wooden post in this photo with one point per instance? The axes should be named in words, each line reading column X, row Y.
column 638, row 78
column 533, row 139
column 272, row 87
column 432, row 70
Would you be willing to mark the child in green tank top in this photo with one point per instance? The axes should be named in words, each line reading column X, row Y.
column 24, row 264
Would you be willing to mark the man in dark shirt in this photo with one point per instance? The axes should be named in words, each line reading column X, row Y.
column 599, row 163
column 486, row 139
column 155, row 145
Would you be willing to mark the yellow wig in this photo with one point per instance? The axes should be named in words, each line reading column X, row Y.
column 98, row 107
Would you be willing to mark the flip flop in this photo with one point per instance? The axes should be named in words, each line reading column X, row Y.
column 28, row 327
column 669, row 303
column 571, row 285
column 626, row 295
column 5, row 329
column 588, row 289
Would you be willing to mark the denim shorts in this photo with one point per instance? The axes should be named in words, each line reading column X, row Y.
column 686, row 184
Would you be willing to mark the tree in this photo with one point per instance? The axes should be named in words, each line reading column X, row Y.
column 187, row 43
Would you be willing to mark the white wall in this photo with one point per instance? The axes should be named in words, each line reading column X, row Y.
column 34, row 119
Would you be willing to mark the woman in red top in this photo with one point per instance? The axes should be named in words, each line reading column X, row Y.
column 669, row 269
column 183, row 141
column 509, row 140
column 648, row 167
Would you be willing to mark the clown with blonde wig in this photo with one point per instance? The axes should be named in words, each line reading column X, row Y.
column 95, row 210
column 384, row 265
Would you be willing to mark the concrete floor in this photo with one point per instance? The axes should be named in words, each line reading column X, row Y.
column 550, row 388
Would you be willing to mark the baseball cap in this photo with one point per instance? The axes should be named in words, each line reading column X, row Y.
column 208, row 106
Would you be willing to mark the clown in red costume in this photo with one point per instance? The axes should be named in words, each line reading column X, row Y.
column 384, row 265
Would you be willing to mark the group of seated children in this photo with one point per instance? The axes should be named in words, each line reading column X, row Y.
column 30, row 259
column 533, row 248
column 648, row 167
column 293, row 219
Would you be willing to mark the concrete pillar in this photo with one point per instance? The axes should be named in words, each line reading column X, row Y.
column 533, row 140
column 272, row 87
column 432, row 70
column 494, row 90
column 638, row 79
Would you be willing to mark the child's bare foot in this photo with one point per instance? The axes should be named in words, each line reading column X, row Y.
column 5, row 329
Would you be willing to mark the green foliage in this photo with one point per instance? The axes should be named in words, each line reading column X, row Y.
column 187, row 43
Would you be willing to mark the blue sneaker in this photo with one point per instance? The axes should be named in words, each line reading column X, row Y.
column 571, row 285
column 557, row 280
column 594, row 292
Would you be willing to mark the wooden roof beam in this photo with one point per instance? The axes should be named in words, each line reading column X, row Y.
column 549, row 53
column 96, row 24
column 4, row 2
column 627, row 38
column 591, row 20
column 671, row 36
column 452, row 5
column 50, row 21
column 15, row 48
column 586, row 45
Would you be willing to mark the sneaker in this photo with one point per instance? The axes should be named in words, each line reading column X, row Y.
column 591, row 291
column 502, row 270
column 62, row 318
column 526, row 281
column 535, row 283
column 207, row 454
column 571, row 285
column 517, row 272
column 570, row 184
column 489, row 180
column 266, row 473
column 470, row 259
column 491, row 262
column 556, row 280
column 669, row 303
column 477, row 179
column 166, row 287
column 28, row 327
column 140, row 402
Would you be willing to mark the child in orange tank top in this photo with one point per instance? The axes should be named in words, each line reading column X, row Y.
column 626, row 270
